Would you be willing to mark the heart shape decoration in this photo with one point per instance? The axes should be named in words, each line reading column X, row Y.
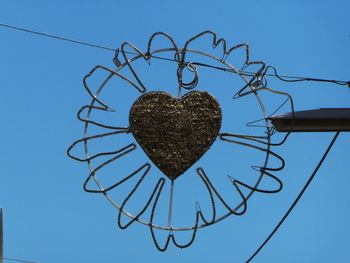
column 175, row 133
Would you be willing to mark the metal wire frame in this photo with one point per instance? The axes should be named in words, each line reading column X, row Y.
column 255, row 85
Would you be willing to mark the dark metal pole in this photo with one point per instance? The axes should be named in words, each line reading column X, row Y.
column 1, row 237
column 319, row 120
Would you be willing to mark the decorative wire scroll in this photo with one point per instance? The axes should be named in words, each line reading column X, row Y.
column 255, row 85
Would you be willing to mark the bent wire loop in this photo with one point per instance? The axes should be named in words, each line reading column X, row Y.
column 254, row 84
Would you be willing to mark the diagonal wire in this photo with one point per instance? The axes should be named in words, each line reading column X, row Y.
column 56, row 37
column 285, row 78
column 17, row 260
column 297, row 199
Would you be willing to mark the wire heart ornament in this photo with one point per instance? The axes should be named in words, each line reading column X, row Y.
column 174, row 132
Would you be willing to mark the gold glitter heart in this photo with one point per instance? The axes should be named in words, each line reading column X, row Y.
column 175, row 133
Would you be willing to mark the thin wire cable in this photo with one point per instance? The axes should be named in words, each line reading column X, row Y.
column 56, row 37
column 18, row 260
column 297, row 199
column 286, row 78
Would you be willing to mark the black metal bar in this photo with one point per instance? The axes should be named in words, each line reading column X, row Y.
column 1, row 237
column 318, row 120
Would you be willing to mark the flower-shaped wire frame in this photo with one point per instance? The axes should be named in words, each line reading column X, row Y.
column 255, row 83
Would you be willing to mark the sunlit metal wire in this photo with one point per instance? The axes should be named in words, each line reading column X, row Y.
column 255, row 84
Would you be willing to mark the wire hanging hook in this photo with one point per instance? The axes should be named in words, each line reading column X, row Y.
column 116, row 60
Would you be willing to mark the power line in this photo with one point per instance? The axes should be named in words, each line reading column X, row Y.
column 305, row 187
column 285, row 78
column 18, row 260
column 57, row 37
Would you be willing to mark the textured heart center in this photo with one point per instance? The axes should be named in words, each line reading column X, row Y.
column 175, row 133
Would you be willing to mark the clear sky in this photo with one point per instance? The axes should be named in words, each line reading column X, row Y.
column 47, row 215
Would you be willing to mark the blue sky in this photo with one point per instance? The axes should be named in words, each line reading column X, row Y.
column 47, row 215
